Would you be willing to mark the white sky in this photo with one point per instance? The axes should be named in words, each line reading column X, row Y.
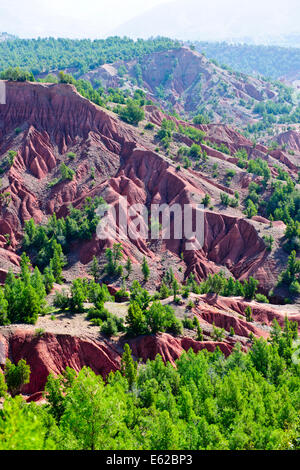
column 199, row 19
column 69, row 18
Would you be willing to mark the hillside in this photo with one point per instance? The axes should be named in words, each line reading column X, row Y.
column 54, row 120
column 274, row 62
column 43, row 55
column 186, row 82
column 73, row 299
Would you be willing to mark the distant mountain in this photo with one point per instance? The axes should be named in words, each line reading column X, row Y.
column 217, row 20
column 270, row 61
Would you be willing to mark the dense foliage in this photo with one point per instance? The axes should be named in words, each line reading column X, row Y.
column 46, row 54
column 269, row 61
column 23, row 296
column 247, row 401
column 42, row 240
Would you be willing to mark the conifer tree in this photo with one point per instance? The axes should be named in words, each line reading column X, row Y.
column 145, row 269
column 128, row 266
column 128, row 366
column 95, row 270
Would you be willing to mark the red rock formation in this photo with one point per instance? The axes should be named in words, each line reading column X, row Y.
column 170, row 348
column 53, row 353
column 291, row 139
column 55, row 118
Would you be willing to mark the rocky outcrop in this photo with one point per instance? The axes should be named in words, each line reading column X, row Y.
column 53, row 353
column 290, row 139
column 49, row 353
column 54, row 119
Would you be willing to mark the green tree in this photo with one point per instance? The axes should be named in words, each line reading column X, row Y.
column 94, row 413
column 250, row 287
column 128, row 366
column 57, row 262
column 4, row 320
column 164, row 291
column 248, row 313
column 132, row 113
column 16, row 376
column 95, row 269
column 145, row 269
column 128, row 267
column 113, row 256
column 3, row 386
column 78, row 295
column 66, row 172
column 175, row 288
column 135, row 319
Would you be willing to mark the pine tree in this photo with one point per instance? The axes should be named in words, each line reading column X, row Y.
column 95, row 270
column 25, row 268
column 57, row 262
column 175, row 288
column 49, row 279
column 164, row 292
column 135, row 320
column 16, row 376
column 199, row 336
column 128, row 267
column 248, row 312
column 128, row 366
column 145, row 269
column 250, row 288
column 3, row 309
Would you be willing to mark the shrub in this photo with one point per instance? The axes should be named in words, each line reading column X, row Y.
column 109, row 327
column 188, row 323
column 132, row 113
column 66, row 172
column 16, row 376
column 61, row 300
column 218, row 334
column 261, row 298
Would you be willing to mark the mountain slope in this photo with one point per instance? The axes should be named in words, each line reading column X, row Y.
column 187, row 82
column 53, row 120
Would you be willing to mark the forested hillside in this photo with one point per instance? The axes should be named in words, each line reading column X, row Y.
column 46, row 54
column 270, row 61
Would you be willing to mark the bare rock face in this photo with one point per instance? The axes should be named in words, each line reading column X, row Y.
column 54, row 119
column 170, row 348
column 291, row 139
column 53, row 353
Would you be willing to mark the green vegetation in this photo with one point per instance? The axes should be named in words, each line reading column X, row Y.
column 23, row 296
column 228, row 201
column 132, row 113
column 16, row 74
column 113, row 256
column 291, row 276
column 47, row 54
column 16, row 375
column 269, row 61
column 142, row 319
column 247, row 401
column 46, row 242
column 227, row 287
column 145, row 269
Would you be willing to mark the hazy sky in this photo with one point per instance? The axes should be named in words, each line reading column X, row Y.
column 185, row 19
column 69, row 18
